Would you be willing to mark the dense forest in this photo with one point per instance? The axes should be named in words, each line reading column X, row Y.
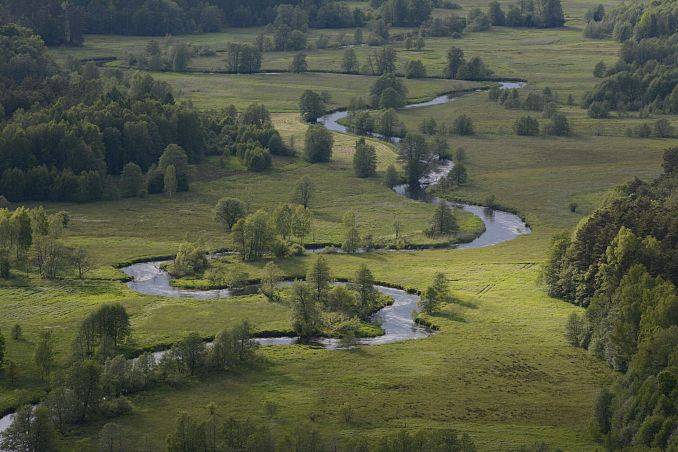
column 66, row 23
column 64, row 134
column 622, row 264
column 645, row 77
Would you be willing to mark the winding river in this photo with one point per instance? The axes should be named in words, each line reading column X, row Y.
column 396, row 320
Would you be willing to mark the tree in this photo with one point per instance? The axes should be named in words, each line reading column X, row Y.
column 12, row 372
column 16, row 334
column 318, row 278
column 350, row 62
column 415, row 69
column 84, row 382
column 269, row 281
column 363, row 285
column 228, row 211
column 364, row 159
column 44, row 355
column 443, row 221
column 415, row 154
column 111, row 438
column 188, row 435
column 191, row 259
column 458, row 175
column 390, row 89
column 301, row 222
column 179, row 56
column 351, row 235
column 131, row 181
column 318, row 144
column 455, row 59
column 49, row 256
column 253, row 235
column 170, row 180
column 559, row 125
column 299, row 63
column 190, row 353
column 388, row 123
column 312, row 106
column 436, row 294
column 31, row 430
column 575, row 330
column 526, row 125
column 81, row 260
column 391, row 177
column 549, row 13
column 283, row 218
column 497, row 17
column 175, row 155
column 303, row 192
column 306, row 319
column 257, row 159
column 2, row 349
column 463, row 125
column 20, row 223
column 599, row 69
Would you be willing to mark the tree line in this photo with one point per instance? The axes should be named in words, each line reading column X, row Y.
column 643, row 79
column 620, row 263
column 82, row 135
column 95, row 383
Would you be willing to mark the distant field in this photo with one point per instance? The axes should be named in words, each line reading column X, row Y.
column 281, row 92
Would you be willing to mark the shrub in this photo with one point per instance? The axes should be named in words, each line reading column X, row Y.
column 559, row 125
column 463, row 125
column 318, row 144
column 598, row 110
column 415, row 69
column 257, row 159
column 526, row 125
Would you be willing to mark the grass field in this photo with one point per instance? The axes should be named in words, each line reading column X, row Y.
column 499, row 368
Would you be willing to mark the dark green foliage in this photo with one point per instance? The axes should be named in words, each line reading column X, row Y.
column 435, row 295
column 559, row 125
column 621, row 263
column 228, row 211
column 401, row 13
column 299, row 63
column 132, row 181
column 457, row 176
column 392, row 177
column 364, row 159
column 318, row 144
column 538, row 13
column 253, row 236
column 526, row 125
column 303, row 192
column 243, row 58
column 30, row 430
column 306, row 319
column 598, row 110
column 2, row 349
column 443, row 222
column 477, row 20
column 312, row 106
column 415, row 154
column 496, row 14
column 415, row 69
column 463, row 125
column 257, row 159
column 102, row 332
column 388, row 92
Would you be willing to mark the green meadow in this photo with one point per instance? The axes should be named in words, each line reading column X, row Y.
column 499, row 367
